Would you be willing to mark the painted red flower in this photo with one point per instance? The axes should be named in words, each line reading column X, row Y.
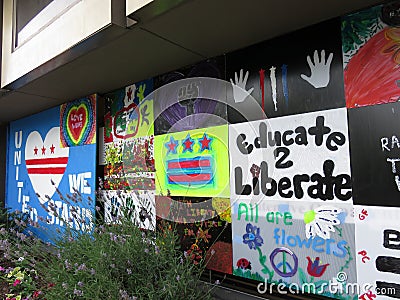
column 314, row 268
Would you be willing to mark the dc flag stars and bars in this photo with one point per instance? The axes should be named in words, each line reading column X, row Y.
column 190, row 171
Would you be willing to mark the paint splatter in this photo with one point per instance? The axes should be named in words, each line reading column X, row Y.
column 273, row 86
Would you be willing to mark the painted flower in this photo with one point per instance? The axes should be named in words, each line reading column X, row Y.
column 314, row 268
column 203, row 235
column 252, row 237
column 320, row 221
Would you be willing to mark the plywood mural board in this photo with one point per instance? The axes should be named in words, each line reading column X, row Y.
column 138, row 206
column 184, row 101
column 371, row 55
column 129, row 112
column 78, row 122
column 296, row 73
column 129, row 130
column 37, row 166
column 300, row 157
column 375, row 154
column 193, row 163
column 301, row 245
column 377, row 249
column 204, row 227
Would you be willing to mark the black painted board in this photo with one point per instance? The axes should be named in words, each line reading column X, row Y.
column 374, row 148
column 287, row 56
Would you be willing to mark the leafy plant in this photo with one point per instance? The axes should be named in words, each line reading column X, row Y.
column 114, row 261
column 123, row 262
column 21, row 283
column 15, row 220
column 358, row 28
column 19, row 253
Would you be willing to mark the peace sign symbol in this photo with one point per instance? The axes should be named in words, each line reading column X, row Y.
column 284, row 268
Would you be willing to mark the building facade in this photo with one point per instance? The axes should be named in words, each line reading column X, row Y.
column 270, row 137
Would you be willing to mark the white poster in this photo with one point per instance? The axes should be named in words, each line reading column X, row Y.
column 300, row 157
column 378, row 251
column 303, row 246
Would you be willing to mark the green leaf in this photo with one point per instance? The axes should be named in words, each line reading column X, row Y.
column 302, row 276
column 263, row 259
column 265, row 271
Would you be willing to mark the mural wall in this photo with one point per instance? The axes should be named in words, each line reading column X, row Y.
column 371, row 73
column 277, row 163
column 51, row 167
column 192, row 161
column 129, row 154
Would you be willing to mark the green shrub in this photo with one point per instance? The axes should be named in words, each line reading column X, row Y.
column 115, row 261
column 19, row 253
column 123, row 262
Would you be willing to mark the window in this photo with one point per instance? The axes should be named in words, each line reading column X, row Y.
column 32, row 16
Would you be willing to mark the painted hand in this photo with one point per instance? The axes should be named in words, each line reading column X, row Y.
column 239, row 87
column 140, row 93
column 320, row 69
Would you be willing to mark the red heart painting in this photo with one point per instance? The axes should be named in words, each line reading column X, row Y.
column 77, row 122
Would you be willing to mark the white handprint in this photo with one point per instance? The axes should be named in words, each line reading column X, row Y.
column 320, row 69
column 239, row 87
